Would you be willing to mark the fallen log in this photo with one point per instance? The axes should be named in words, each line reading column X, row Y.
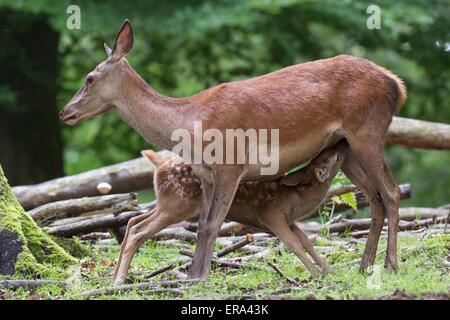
column 64, row 221
column 96, row 223
column 412, row 225
column 364, row 224
column 114, row 204
column 419, row 134
column 414, row 213
column 128, row 176
column 83, row 225
column 176, row 233
column 95, row 236
column 30, row 284
column 137, row 174
column 361, row 200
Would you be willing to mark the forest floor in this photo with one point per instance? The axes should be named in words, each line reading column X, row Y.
column 423, row 274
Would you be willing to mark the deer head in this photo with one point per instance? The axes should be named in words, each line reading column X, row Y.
column 102, row 85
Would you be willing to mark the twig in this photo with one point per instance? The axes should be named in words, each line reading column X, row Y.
column 161, row 270
column 30, row 284
column 235, row 246
column 280, row 273
column 220, row 262
column 139, row 286
column 258, row 255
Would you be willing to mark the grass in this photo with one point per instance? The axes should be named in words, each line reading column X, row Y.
column 421, row 271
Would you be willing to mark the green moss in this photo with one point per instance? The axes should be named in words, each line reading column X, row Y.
column 38, row 249
column 74, row 247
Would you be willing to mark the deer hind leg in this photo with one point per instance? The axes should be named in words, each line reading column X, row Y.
column 391, row 253
column 306, row 243
column 137, row 234
column 283, row 231
column 358, row 176
column 368, row 150
column 133, row 221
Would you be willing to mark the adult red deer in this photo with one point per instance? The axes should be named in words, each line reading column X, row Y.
column 313, row 105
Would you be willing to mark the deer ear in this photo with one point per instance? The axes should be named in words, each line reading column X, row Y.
column 124, row 42
column 107, row 49
column 321, row 174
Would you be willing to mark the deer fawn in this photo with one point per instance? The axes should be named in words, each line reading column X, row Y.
column 314, row 105
column 268, row 205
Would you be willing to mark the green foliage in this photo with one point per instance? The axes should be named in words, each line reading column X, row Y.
column 347, row 198
column 182, row 47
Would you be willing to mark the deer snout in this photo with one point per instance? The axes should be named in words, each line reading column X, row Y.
column 68, row 115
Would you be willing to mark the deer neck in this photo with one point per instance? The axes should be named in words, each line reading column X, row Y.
column 151, row 114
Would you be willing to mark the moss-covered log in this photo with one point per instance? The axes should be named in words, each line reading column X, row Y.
column 24, row 247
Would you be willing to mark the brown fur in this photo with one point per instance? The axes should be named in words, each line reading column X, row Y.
column 257, row 203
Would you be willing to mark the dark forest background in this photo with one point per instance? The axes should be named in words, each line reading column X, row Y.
column 182, row 47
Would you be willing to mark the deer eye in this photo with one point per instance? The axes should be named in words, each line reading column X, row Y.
column 89, row 80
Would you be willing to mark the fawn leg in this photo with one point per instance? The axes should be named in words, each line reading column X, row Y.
column 281, row 229
column 139, row 233
column 310, row 248
column 394, row 193
column 133, row 221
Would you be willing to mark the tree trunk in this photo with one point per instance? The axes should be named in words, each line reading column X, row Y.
column 24, row 247
column 30, row 135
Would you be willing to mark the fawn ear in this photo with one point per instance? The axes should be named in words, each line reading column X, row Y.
column 154, row 158
column 294, row 178
column 124, row 42
column 321, row 174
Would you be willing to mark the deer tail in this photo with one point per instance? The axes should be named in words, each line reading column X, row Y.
column 398, row 88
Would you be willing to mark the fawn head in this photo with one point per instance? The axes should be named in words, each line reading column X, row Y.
column 327, row 164
column 323, row 167
column 102, row 84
